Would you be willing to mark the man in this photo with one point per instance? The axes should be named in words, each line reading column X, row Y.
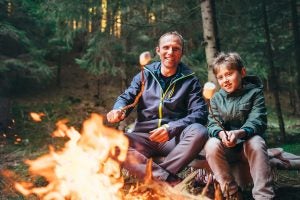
column 171, row 114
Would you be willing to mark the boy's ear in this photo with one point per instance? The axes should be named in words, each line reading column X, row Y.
column 243, row 72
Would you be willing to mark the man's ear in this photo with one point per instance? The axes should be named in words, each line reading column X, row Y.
column 157, row 50
column 243, row 72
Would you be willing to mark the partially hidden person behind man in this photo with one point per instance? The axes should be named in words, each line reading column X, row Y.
column 171, row 114
column 240, row 107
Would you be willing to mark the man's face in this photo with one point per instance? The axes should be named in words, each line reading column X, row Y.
column 169, row 51
column 230, row 79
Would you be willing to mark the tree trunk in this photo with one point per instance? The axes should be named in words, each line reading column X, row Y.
column 273, row 72
column 296, row 42
column 209, row 35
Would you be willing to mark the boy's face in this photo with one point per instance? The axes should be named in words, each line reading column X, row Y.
column 230, row 79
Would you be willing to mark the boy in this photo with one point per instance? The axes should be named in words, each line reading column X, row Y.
column 240, row 107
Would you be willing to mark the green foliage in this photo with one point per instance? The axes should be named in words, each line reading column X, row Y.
column 22, row 54
column 12, row 32
column 196, row 61
column 103, row 55
column 240, row 25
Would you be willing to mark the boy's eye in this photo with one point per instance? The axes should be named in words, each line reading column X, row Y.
column 228, row 74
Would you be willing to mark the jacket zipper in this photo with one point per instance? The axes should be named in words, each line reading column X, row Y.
column 162, row 94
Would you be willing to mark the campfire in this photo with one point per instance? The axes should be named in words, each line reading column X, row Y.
column 89, row 167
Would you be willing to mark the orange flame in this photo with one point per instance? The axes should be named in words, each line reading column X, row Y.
column 88, row 167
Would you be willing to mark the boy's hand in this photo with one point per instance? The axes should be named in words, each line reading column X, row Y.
column 231, row 142
column 233, row 137
column 115, row 116
column 159, row 135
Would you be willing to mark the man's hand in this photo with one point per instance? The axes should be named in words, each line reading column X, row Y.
column 115, row 116
column 159, row 135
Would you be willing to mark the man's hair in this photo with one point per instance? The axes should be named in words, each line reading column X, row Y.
column 173, row 33
column 232, row 60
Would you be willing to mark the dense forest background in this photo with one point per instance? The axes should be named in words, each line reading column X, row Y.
column 62, row 56
column 106, row 37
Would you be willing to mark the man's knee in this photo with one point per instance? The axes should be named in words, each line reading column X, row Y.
column 196, row 130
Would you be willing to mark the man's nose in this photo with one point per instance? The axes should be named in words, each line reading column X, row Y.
column 170, row 50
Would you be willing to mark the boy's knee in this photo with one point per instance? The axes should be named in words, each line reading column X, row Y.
column 256, row 143
column 212, row 146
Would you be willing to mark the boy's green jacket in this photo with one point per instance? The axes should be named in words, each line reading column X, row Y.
column 242, row 109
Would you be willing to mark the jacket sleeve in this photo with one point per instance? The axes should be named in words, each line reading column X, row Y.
column 129, row 94
column 213, row 126
column 257, row 118
column 197, row 111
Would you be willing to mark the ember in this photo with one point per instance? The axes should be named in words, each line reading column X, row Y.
column 37, row 117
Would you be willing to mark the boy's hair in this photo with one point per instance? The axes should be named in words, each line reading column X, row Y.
column 232, row 60
column 172, row 33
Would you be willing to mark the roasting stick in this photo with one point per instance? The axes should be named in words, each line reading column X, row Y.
column 145, row 58
column 209, row 90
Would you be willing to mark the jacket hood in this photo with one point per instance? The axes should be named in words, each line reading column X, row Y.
column 248, row 82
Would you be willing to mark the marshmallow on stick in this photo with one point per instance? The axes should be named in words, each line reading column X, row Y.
column 209, row 90
column 145, row 58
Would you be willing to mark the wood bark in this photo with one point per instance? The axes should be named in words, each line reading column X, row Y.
column 209, row 35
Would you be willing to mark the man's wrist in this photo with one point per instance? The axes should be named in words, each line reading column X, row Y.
column 166, row 126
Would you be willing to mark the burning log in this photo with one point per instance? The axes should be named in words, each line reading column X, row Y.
column 152, row 189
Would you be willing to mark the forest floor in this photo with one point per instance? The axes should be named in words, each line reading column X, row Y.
column 75, row 100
